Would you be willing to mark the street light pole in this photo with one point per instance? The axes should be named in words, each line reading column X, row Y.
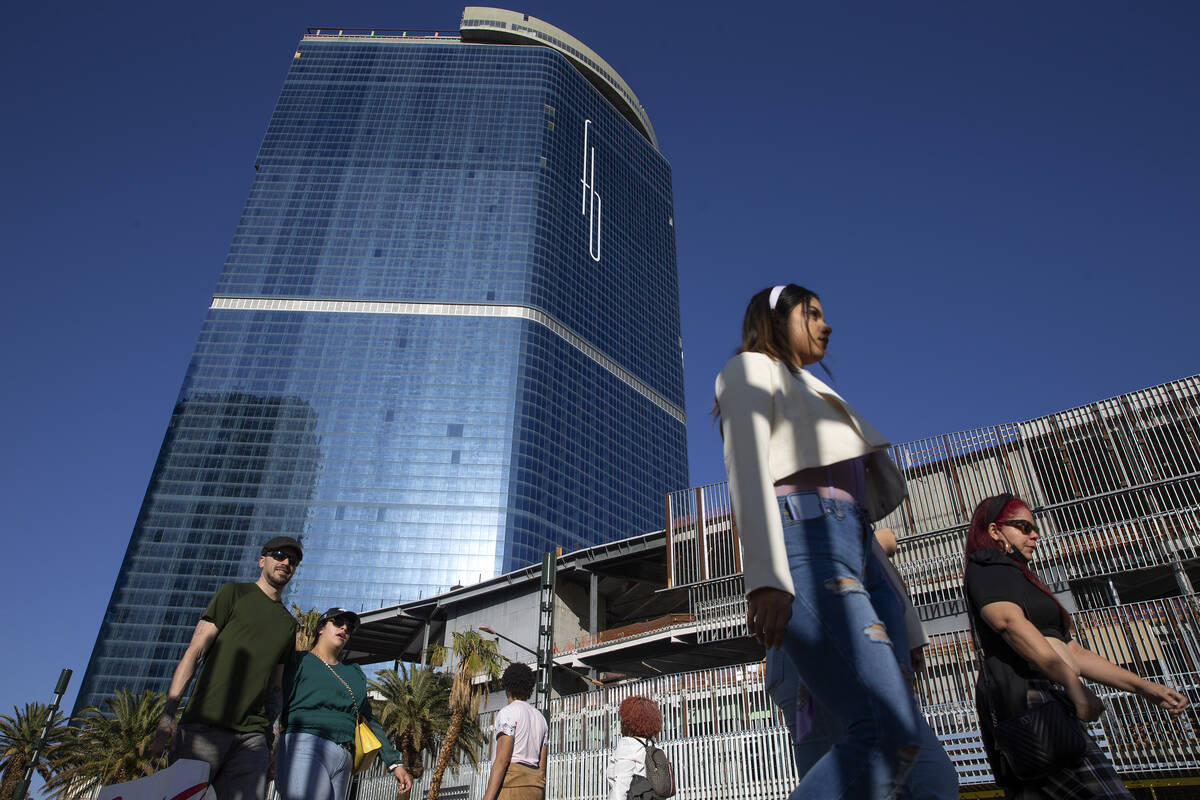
column 513, row 642
column 578, row 673
column 60, row 689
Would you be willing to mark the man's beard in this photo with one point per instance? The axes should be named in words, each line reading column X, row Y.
column 278, row 583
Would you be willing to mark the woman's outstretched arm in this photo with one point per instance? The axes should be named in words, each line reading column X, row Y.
column 1098, row 668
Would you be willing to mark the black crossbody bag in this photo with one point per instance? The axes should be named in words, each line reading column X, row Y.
column 1040, row 741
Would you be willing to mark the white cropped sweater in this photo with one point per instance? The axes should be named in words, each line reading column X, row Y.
column 775, row 422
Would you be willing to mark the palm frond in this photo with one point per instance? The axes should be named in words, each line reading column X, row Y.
column 112, row 747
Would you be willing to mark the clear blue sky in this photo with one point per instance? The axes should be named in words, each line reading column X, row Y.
column 998, row 202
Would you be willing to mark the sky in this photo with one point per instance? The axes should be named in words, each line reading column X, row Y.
column 997, row 202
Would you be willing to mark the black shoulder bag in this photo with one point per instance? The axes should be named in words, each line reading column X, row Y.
column 1040, row 741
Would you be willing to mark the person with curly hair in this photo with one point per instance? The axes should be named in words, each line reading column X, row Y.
column 641, row 720
column 518, row 742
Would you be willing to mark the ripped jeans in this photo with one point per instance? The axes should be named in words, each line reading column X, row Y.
column 841, row 650
column 814, row 730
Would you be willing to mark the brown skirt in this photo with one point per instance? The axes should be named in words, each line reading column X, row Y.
column 522, row 783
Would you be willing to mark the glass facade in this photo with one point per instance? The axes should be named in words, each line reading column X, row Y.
column 445, row 340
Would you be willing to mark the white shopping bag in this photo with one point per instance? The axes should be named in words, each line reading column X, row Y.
column 184, row 780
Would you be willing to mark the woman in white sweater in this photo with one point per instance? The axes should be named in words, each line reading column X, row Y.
column 807, row 476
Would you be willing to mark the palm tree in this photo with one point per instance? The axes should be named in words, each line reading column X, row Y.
column 415, row 714
column 468, row 744
column 19, row 737
column 306, row 630
column 475, row 656
column 111, row 747
column 415, row 711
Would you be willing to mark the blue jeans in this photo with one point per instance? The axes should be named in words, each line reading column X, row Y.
column 311, row 768
column 867, row 730
column 933, row 776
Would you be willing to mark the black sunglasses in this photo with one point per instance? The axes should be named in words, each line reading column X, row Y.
column 283, row 555
column 1023, row 525
column 342, row 621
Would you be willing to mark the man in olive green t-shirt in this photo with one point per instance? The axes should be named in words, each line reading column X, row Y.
column 244, row 637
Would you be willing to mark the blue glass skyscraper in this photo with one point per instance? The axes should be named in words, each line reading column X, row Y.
column 445, row 340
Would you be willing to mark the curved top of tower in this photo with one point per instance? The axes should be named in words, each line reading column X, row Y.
column 483, row 24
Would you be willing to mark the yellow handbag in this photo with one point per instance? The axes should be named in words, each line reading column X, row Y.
column 366, row 743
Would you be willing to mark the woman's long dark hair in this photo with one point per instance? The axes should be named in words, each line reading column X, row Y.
column 764, row 330
column 978, row 539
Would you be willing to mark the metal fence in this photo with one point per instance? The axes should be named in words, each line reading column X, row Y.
column 702, row 541
column 376, row 783
column 723, row 734
column 719, row 609
column 727, row 739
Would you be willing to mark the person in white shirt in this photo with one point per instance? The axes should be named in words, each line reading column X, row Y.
column 641, row 720
column 518, row 742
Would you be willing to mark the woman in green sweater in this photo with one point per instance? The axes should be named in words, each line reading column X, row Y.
column 323, row 699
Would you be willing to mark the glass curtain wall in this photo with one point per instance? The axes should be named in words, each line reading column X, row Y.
column 445, row 340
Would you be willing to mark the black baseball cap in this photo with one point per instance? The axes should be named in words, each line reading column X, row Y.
column 334, row 613
column 280, row 542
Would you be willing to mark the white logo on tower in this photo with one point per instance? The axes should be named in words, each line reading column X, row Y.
column 591, row 199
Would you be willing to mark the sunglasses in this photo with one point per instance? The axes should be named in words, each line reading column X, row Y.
column 1023, row 525
column 344, row 622
column 282, row 555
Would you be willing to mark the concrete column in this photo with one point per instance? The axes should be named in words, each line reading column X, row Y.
column 593, row 621
column 594, row 604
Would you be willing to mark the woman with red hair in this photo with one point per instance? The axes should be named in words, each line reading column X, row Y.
column 641, row 720
column 1030, row 658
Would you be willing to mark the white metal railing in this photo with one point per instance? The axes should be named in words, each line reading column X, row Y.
column 718, row 609
column 747, row 765
column 721, row 731
column 1144, row 438
column 376, row 783
column 702, row 540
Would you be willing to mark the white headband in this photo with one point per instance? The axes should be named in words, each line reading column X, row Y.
column 778, row 290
